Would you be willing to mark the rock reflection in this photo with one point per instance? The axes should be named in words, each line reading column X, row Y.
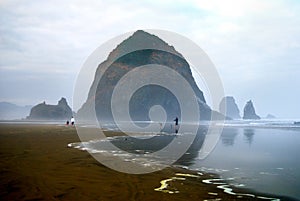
column 249, row 133
column 191, row 154
column 228, row 136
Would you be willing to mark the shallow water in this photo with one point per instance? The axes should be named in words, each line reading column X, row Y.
column 260, row 155
column 264, row 159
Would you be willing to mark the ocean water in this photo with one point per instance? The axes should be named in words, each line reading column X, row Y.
column 259, row 155
column 264, row 158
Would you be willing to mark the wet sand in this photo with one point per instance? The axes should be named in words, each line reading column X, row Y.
column 36, row 164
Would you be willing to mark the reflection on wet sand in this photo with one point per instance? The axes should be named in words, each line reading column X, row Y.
column 188, row 158
column 249, row 133
column 255, row 157
column 229, row 136
column 231, row 158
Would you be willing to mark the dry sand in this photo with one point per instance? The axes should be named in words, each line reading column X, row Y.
column 36, row 164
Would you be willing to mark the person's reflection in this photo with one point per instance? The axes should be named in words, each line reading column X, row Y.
column 191, row 154
column 228, row 136
column 249, row 133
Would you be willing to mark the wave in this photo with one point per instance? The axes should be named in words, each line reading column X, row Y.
column 278, row 123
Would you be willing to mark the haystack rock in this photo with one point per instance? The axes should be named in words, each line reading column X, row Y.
column 249, row 111
column 43, row 111
column 119, row 62
column 229, row 108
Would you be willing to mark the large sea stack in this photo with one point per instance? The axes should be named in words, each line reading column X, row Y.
column 43, row 111
column 249, row 111
column 229, row 108
column 119, row 63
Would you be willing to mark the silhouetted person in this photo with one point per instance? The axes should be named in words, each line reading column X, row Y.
column 176, row 121
column 72, row 121
column 176, row 124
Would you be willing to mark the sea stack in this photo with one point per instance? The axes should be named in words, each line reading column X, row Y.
column 150, row 50
column 270, row 116
column 43, row 111
column 249, row 111
column 229, row 108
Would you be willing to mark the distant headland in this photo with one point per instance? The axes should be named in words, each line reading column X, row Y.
column 43, row 111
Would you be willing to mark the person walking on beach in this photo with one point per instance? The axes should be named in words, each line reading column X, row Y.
column 160, row 127
column 176, row 121
column 176, row 124
column 72, row 121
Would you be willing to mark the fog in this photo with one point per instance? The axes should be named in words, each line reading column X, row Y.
column 254, row 45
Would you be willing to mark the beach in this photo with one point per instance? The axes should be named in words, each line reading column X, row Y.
column 37, row 164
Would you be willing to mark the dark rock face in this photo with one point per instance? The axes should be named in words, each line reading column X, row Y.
column 119, row 63
column 43, row 111
column 249, row 111
column 229, row 108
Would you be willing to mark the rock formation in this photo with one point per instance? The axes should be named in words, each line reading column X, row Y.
column 249, row 111
column 229, row 108
column 43, row 111
column 270, row 116
column 119, row 62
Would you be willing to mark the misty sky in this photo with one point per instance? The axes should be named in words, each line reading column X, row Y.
column 254, row 44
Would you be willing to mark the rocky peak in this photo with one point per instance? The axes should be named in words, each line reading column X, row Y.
column 150, row 50
column 44, row 111
column 249, row 111
column 141, row 40
column 62, row 101
column 229, row 108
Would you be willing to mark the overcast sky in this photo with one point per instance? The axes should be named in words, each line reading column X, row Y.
column 254, row 44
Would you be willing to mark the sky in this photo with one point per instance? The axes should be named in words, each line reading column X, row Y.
column 254, row 44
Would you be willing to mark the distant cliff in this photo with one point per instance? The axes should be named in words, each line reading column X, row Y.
column 270, row 116
column 43, row 111
column 10, row 111
column 229, row 108
column 249, row 111
column 101, row 90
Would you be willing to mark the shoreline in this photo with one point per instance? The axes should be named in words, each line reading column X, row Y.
column 37, row 164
